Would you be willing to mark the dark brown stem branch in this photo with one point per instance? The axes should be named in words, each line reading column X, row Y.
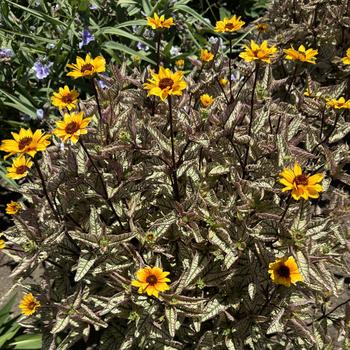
column 229, row 67
column 286, row 95
column 43, row 184
column 174, row 165
column 105, row 193
column 96, row 97
column 286, row 208
column 330, row 312
column 251, row 116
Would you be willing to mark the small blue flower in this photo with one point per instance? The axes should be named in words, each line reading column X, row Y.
column 175, row 51
column 102, row 84
column 42, row 70
column 141, row 46
column 6, row 53
column 93, row 7
column 40, row 113
column 87, row 37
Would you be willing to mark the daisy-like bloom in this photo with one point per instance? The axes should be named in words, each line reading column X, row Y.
column 206, row 56
column 25, row 142
column 13, row 208
column 29, row 304
column 65, row 98
column 165, row 83
column 72, row 126
column 301, row 54
column 151, row 280
column 300, row 184
column 229, row 25
column 346, row 59
column 262, row 27
column 88, row 67
column 160, row 22
column 206, row 100
column 19, row 168
column 2, row 243
column 223, row 82
column 341, row 103
column 285, row 271
column 258, row 52
column 180, row 63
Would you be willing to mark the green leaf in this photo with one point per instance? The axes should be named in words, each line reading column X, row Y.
column 171, row 316
column 86, row 261
column 192, row 13
column 62, row 322
column 123, row 48
column 125, row 34
column 41, row 15
column 27, row 341
column 6, row 310
column 95, row 227
column 212, row 309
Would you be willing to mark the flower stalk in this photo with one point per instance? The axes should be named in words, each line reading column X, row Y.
column 174, row 165
column 105, row 193
column 251, row 116
column 43, row 184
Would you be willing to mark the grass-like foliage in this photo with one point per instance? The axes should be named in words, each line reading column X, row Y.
column 202, row 208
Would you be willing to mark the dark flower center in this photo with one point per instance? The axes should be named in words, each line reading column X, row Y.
column 86, row 67
column 301, row 180
column 32, row 305
column 229, row 26
column 283, row 271
column 152, row 280
column 67, row 99
column 166, row 83
column 24, row 142
column 21, row 169
column 71, row 128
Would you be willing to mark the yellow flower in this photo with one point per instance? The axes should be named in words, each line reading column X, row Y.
column 341, row 103
column 65, row 98
column 151, row 280
column 256, row 52
column 285, row 271
column 19, row 168
column 346, row 59
column 165, row 83
column 29, row 304
column 300, row 184
column 180, row 63
column 160, row 22
column 206, row 56
column 307, row 92
column 229, row 25
column 262, row 27
column 13, row 208
column 25, row 142
column 72, row 126
column 88, row 67
column 301, row 54
column 223, row 82
column 2, row 244
column 206, row 100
